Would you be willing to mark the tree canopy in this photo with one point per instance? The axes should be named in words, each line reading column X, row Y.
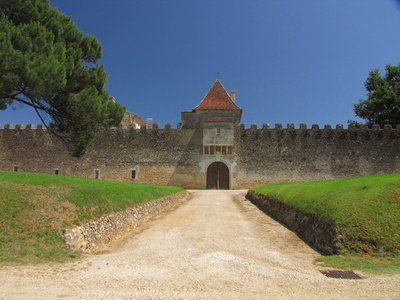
column 46, row 62
column 383, row 104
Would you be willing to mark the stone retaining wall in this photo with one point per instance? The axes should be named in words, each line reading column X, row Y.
column 87, row 237
column 322, row 236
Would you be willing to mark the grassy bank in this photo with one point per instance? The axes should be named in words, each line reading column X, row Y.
column 34, row 207
column 366, row 210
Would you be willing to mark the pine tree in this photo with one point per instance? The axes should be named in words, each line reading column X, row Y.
column 46, row 62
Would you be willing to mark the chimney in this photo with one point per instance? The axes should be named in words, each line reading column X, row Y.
column 233, row 96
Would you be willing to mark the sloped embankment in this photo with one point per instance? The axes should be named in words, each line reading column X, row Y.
column 35, row 207
column 89, row 236
column 321, row 235
column 349, row 215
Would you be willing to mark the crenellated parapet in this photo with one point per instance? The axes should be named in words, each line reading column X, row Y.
column 316, row 130
column 22, row 127
column 156, row 126
column 242, row 127
column 303, row 126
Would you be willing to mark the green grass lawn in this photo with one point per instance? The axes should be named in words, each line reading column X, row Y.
column 34, row 207
column 366, row 210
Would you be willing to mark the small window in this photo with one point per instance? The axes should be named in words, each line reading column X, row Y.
column 56, row 172
column 211, row 149
column 133, row 174
column 230, row 151
column 206, row 149
column 97, row 174
column 218, row 130
column 223, row 150
column 15, row 168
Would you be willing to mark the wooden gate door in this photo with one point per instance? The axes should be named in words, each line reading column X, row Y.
column 218, row 176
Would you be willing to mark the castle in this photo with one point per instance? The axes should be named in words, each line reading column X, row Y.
column 210, row 149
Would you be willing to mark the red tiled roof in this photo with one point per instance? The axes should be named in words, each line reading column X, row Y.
column 217, row 98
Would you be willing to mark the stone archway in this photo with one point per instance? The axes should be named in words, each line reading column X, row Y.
column 218, row 176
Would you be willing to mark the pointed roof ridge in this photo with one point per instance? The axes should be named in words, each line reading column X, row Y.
column 217, row 98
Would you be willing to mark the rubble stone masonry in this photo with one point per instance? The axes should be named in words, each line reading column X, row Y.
column 175, row 156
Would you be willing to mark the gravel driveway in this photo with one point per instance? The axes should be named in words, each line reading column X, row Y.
column 215, row 246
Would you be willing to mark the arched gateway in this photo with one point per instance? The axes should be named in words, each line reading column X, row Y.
column 218, row 176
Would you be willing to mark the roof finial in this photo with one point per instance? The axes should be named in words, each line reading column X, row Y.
column 217, row 75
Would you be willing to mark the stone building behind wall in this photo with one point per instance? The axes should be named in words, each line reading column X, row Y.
column 131, row 120
column 209, row 149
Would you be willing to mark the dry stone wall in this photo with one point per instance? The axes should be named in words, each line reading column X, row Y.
column 89, row 236
column 322, row 236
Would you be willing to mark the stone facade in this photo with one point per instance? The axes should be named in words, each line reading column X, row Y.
column 305, row 154
column 209, row 149
column 131, row 120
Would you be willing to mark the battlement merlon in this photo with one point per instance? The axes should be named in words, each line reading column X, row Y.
column 265, row 126
column 21, row 127
column 315, row 127
column 156, row 126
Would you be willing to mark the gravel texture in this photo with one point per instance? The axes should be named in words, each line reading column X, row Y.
column 217, row 245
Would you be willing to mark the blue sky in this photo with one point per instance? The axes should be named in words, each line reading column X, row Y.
column 289, row 61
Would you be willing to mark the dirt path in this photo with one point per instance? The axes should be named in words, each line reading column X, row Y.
column 215, row 246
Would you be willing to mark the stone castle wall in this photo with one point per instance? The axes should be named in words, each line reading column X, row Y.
column 175, row 156
column 290, row 155
column 158, row 156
